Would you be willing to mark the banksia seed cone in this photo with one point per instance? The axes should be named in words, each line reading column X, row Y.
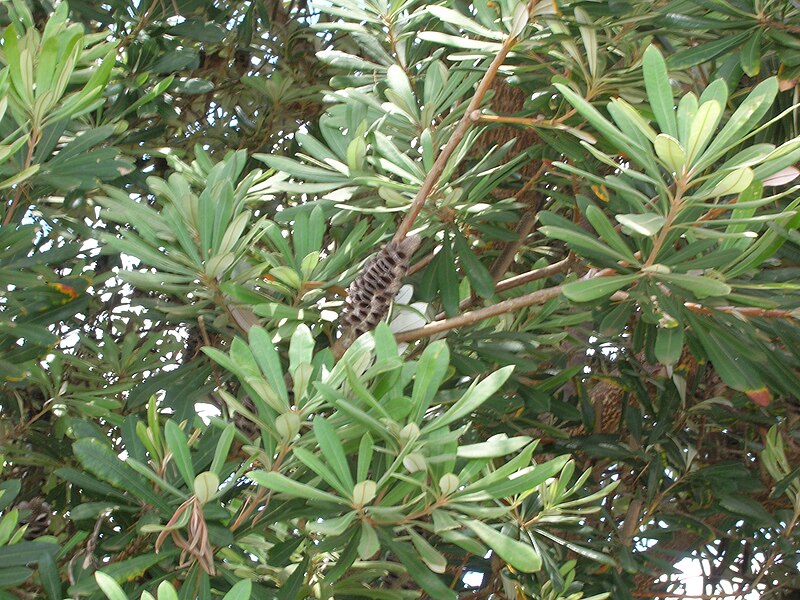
column 37, row 518
column 370, row 295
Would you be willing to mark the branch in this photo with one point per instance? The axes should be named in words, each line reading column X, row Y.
column 535, row 275
column 525, row 226
column 743, row 311
column 468, row 318
column 521, row 279
column 506, row 306
column 471, row 115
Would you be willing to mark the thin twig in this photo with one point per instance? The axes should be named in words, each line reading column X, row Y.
column 525, row 226
column 535, row 275
column 743, row 311
column 471, row 115
column 21, row 187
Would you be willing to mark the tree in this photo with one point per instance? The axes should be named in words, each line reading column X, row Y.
column 397, row 299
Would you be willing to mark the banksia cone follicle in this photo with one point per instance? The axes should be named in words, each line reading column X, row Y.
column 370, row 296
column 36, row 515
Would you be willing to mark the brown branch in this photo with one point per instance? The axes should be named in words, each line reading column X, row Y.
column 471, row 115
column 743, row 311
column 521, row 279
column 21, row 187
column 664, row 595
column 469, row 318
column 526, row 121
column 525, row 226
column 535, row 275
column 506, row 306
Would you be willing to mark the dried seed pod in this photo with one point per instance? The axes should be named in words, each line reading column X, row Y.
column 370, row 296
column 36, row 514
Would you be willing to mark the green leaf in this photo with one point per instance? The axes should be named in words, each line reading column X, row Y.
column 100, row 460
column 223, row 446
column 742, row 121
column 8, row 492
column 750, row 54
column 398, row 82
column 240, row 591
column 166, row 591
column 25, row 553
column 525, row 479
column 582, row 242
column 703, row 126
column 733, row 183
column 591, row 289
column 125, row 570
column 689, row 57
column 733, row 368
column 606, row 230
column 669, row 345
column 603, row 125
column 477, row 394
column 408, row 555
column 448, row 279
column 478, row 275
column 109, row 587
column 701, row 287
column 177, row 444
column 14, row 576
column 495, row 446
column 647, row 224
column 670, row 151
column 754, row 511
column 368, row 543
column 430, row 373
column 521, row 556
column 267, row 358
column 281, row 483
column 659, row 92
column 448, row 15
column 48, row 575
column 332, row 450
column 434, row 559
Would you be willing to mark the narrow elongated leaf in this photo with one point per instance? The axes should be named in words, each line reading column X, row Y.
column 592, row 289
column 517, row 554
column 430, row 582
column 669, row 345
column 281, row 483
column 659, row 91
column 476, row 395
column 606, row 230
column 750, row 54
column 240, row 591
column 647, row 224
column 333, row 451
column 701, row 287
column 670, row 151
column 703, row 126
column 743, row 119
column 430, row 373
column 109, row 587
column 177, row 444
column 100, row 460
column 476, row 272
column 497, row 445
column 25, row 553
column 603, row 125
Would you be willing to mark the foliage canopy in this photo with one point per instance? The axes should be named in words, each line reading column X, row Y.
column 588, row 375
